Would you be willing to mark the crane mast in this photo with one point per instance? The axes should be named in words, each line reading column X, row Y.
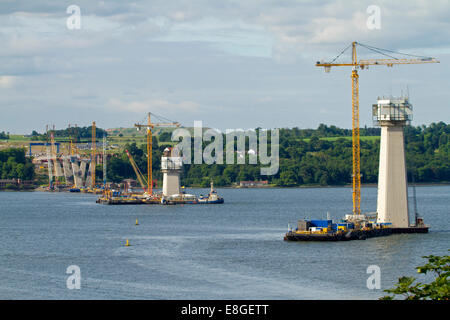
column 93, row 156
column 104, row 161
column 56, row 166
column 73, row 131
column 49, row 163
column 150, row 159
column 75, row 140
column 356, row 149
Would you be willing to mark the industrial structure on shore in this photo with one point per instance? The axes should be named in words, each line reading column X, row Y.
column 72, row 172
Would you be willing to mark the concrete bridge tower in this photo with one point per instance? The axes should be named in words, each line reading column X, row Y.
column 171, row 168
column 392, row 114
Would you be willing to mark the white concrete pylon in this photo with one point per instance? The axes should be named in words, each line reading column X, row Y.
column 392, row 203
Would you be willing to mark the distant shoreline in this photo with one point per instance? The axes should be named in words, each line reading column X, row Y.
column 368, row 185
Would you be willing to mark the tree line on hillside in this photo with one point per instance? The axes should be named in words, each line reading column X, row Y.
column 14, row 165
column 306, row 159
column 75, row 133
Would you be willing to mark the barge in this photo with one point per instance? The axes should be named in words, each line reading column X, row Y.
column 352, row 228
column 111, row 197
column 126, row 200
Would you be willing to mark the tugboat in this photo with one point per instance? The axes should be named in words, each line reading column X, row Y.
column 211, row 198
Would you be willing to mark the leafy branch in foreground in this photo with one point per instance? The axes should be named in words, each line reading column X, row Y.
column 439, row 289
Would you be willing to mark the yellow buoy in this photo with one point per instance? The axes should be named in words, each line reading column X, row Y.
column 137, row 223
column 127, row 244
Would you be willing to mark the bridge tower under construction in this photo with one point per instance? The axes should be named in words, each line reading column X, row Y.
column 392, row 114
column 171, row 168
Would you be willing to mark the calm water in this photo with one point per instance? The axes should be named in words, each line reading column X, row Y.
column 230, row 251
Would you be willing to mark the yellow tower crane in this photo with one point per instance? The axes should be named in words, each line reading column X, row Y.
column 75, row 142
column 52, row 140
column 93, row 164
column 149, row 127
column 361, row 64
column 49, row 161
column 73, row 132
column 54, row 156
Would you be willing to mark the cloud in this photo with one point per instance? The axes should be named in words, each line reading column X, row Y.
column 311, row 29
column 187, row 59
column 233, row 36
column 253, row 28
column 155, row 105
column 7, row 82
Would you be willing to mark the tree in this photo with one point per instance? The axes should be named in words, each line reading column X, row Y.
column 288, row 178
column 439, row 289
column 165, row 136
column 4, row 135
column 14, row 165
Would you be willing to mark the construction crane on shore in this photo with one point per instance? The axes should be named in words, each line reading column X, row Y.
column 364, row 64
column 94, row 141
column 52, row 140
column 104, row 160
column 73, row 133
column 149, row 127
column 49, row 162
column 54, row 168
column 54, row 158
column 139, row 175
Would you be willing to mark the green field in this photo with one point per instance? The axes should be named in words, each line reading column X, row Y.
column 362, row 138
column 18, row 138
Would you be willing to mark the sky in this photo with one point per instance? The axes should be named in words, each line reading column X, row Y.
column 230, row 64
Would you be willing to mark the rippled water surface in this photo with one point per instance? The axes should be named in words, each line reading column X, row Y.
column 230, row 251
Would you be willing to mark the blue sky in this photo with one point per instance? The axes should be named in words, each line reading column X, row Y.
column 230, row 64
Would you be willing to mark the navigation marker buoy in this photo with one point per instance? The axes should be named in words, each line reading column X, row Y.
column 137, row 223
column 127, row 244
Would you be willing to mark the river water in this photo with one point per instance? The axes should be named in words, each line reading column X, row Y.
column 229, row 251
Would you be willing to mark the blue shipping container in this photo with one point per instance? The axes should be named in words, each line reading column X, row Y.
column 321, row 223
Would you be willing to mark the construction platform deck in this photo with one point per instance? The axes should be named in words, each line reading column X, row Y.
column 119, row 201
column 134, row 201
column 351, row 235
